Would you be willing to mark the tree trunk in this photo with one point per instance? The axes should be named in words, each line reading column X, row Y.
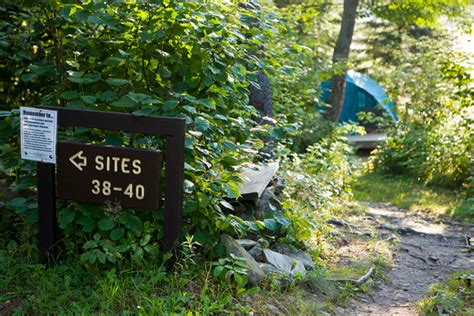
column 260, row 98
column 340, row 55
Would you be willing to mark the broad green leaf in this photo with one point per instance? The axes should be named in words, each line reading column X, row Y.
column 124, row 102
column 240, row 279
column 188, row 186
column 101, row 256
column 201, row 124
column 90, row 244
column 139, row 97
column 76, row 104
column 190, row 109
column 107, row 96
column 145, row 111
column 73, row 64
column 152, row 250
column 112, row 61
column 32, row 217
column 131, row 222
column 75, row 76
column 88, row 99
column 117, row 233
column 260, row 224
column 232, row 190
column 87, row 223
column 16, row 203
column 221, row 117
column 106, row 224
column 282, row 220
column 229, row 146
column 12, row 245
column 218, row 271
column 117, row 82
column 226, row 205
column 28, row 77
column 207, row 103
column 138, row 254
column 203, row 200
column 270, row 224
column 214, row 70
column 66, row 217
column 145, row 240
column 70, row 95
column 88, row 257
column 170, row 105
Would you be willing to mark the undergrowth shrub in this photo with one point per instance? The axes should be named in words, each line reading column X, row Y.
column 433, row 140
column 318, row 183
column 455, row 297
column 305, row 46
column 192, row 60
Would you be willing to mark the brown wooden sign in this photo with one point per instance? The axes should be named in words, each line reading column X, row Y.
column 87, row 172
column 104, row 174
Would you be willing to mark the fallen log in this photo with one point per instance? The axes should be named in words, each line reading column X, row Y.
column 360, row 280
column 365, row 277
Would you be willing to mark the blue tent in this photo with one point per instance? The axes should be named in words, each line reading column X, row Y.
column 362, row 94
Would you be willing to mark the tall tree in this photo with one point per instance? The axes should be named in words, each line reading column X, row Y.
column 340, row 55
column 260, row 94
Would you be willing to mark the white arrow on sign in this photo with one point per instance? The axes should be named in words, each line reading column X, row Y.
column 82, row 160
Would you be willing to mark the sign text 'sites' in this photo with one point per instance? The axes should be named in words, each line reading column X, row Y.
column 118, row 164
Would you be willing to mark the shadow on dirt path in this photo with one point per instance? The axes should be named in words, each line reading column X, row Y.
column 426, row 251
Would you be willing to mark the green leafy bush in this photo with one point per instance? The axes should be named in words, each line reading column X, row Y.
column 170, row 58
column 303, row 48
column 192, row 60
column 232, row 268
column 318, row 184
column 433, row 140
column 455, row 297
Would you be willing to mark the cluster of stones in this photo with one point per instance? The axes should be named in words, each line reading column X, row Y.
column 265, row 260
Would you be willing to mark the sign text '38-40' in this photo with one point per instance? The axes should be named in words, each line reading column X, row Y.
column 124, row 176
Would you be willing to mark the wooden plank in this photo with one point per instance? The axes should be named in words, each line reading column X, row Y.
column 256, row 180
column 367, row 140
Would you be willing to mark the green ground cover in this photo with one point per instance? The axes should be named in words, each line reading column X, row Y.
column 406, row 192
column 454, row 297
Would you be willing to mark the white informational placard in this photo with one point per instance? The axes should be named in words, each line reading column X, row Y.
column 38, row 134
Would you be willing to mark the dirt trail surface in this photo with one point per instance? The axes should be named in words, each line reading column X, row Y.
column 426, row 251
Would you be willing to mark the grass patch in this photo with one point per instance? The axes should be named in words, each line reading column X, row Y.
column 407, row 193
column 455, row 297
column 27, row 288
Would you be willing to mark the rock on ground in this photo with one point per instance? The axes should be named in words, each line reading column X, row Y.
column 246, row 243
column 298, row 255
column 254, row 272
column 284, row 263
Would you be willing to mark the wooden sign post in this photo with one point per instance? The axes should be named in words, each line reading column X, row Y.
column 129, row 177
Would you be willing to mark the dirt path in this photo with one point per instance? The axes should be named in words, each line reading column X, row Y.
column 426, row 252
